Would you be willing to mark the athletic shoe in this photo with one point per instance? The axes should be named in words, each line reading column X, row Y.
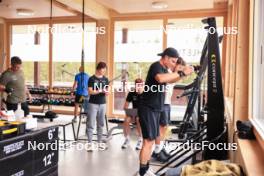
column 84, row 121
column 90, row 147
column 161, row 156
column 74, row 120
column 154, row 155
column 166, row 152
column 139, row 144
column 148, row 173
column 125, row 144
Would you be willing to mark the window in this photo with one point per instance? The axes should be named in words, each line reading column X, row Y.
column 136, row 46
column 67, row 47
column 188, row 37
column 258, row 68
column 31, row 44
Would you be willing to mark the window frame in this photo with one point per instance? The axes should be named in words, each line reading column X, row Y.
column 40, row 21
column 258, row 69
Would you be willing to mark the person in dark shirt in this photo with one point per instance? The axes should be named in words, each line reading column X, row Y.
column 133, row 97
column 153, row 102
column 160, row 153
column 98, row 90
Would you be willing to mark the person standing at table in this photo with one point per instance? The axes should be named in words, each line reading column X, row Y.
column 13, row 78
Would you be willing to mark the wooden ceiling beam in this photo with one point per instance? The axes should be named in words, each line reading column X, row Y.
column 220, row 4
column 169, row 14
column 46, row 20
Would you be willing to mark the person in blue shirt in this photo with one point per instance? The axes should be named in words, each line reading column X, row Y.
column 80, row 87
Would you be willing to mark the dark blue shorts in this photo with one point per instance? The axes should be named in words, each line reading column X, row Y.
column 149, row 122
column 165, row 115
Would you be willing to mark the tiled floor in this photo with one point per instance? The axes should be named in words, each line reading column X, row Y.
column 112, row 162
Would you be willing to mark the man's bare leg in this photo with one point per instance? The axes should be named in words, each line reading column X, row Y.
column 144, row 155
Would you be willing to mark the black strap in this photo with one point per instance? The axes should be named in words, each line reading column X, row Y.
column 82, row 54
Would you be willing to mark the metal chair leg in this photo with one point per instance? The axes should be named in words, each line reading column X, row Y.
column 79, row 125
column 73, row 130
column 64, row 135
column 106, row 124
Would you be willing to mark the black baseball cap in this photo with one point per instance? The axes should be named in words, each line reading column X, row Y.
column 171, row 52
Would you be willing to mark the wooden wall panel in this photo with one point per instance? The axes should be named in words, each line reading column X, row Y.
column 233, row 47
column 103, row 53
column 2, row 46
column 250, row 85
column 228, row 54
column 242, row 63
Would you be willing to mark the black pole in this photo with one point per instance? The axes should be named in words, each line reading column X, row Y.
column 215, row 97
column 82, row 55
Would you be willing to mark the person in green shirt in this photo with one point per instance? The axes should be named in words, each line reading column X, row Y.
column 13, row 78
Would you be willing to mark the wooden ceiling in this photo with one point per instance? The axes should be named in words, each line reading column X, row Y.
column 139, row 6
column 100, row 9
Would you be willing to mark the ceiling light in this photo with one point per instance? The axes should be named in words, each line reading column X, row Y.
column 24, row 12
column 159, row 5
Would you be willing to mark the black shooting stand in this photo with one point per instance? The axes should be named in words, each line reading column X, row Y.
column 202, row 121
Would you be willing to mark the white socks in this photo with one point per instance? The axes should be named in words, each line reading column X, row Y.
column 159, row 147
